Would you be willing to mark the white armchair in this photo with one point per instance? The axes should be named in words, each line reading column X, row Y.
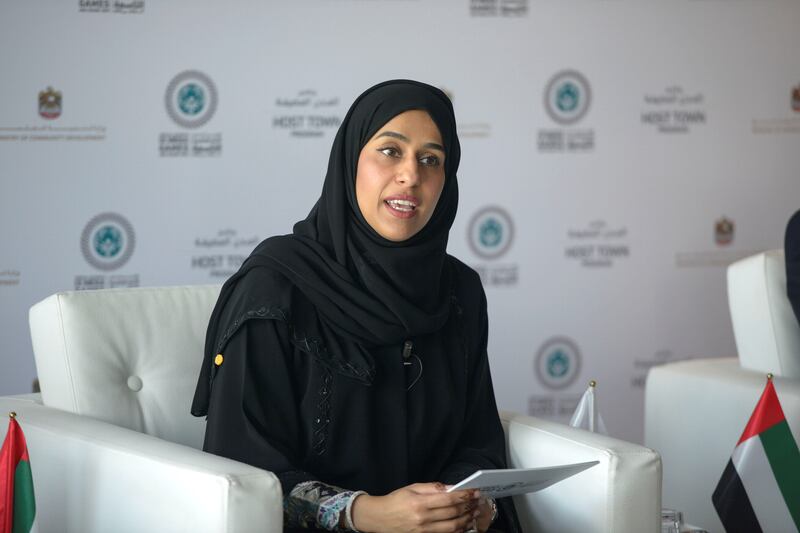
column 695, row 411
column 114, row 448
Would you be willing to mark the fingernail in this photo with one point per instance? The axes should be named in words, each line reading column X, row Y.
column 476, row 514
column 476, row 494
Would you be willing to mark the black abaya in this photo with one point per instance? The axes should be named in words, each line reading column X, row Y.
column 313, row 383
column 274, row 404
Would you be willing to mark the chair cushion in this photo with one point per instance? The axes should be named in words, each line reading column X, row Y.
column 766, row 330
column 125, row 356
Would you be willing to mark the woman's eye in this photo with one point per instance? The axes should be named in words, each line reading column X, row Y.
column 390, row 151
column 430, row 160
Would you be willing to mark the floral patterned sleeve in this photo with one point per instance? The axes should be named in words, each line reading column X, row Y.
column 313, row 504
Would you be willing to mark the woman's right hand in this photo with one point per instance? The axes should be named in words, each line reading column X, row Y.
column 418, row 508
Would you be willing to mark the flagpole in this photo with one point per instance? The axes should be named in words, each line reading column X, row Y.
column 593, row 413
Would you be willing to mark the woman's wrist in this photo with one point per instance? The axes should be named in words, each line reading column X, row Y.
column 348, row 512
column 361, row 512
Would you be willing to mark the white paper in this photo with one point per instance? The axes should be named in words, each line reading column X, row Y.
column 513, row 481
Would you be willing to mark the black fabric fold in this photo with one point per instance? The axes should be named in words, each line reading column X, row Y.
column 791, row 249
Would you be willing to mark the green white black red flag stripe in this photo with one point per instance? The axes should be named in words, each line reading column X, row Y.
column 760, row 487
column 17, row 505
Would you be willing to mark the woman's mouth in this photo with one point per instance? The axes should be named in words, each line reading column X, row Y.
column 401, row 207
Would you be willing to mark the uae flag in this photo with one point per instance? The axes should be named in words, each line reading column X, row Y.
column 17, row 507
column 760, row 488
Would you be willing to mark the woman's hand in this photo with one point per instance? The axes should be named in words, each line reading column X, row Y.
column 418, row 508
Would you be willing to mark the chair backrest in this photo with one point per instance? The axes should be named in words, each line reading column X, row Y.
column 130, row 357
column 766, row 329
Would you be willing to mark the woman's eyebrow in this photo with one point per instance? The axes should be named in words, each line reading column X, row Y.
column 394, row 134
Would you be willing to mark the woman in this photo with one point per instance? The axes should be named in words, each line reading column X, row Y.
column 350, row 357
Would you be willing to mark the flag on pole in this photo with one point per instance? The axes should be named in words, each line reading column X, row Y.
column 760, row 488
column 586, row 415
column 17, row 505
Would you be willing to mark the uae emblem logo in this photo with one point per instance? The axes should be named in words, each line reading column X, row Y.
column 796, row 98
column 490, row 232
column 50, row 103
column 567, row 97
column 107, row 241
column 191, row 99
column 558, row 362
column 723, row 231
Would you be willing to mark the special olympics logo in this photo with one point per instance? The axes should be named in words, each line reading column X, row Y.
column 491, row 232
column 558, row 362
column 567, row 97
column 191, row 99
column 107, row 241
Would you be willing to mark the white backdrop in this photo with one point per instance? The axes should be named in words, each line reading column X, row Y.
column 617, row 155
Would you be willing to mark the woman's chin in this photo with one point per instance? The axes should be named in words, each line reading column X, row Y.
column 397, row 232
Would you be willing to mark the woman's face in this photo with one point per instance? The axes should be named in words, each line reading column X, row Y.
column 400, row 175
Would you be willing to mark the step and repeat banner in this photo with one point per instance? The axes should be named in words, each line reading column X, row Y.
column 617, row 156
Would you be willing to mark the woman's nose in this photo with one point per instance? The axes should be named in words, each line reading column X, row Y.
column 408, row 171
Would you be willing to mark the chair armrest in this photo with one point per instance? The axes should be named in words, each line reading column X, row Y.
column 621, row 494
column 91, row 476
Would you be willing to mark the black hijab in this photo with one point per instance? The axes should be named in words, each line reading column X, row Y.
column 791, row 250
column 367, row 291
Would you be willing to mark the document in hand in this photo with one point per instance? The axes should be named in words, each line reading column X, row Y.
column 513, row 481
